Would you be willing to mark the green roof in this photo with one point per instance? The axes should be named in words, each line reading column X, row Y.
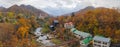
column 73, row 29
column 87, row 40
column 83, row 34
column 87, row 36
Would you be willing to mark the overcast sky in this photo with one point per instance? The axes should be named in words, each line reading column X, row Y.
column 57, row 5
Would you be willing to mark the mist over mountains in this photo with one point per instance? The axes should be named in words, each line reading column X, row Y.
column 60, row 7
column 24, row 9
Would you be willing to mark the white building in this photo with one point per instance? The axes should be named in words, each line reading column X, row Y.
column 99, row 41
column 41, row 16
column 85, row 38
column 80, row 34
column 68, row 25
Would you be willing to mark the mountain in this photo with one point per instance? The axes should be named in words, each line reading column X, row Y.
column 34, row 10
column 17, row 9
column 2, row 9
column 85, row 9
column 80, row 11
column 60, row 7
column 24, row 9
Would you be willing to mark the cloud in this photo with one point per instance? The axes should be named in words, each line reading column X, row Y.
column 8, row 3
column 106, row 3
column 62, row 6
column 61, row 3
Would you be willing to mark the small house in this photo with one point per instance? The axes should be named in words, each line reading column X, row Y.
column 99, row 41
column 52, row 27
column 55, row 22
column 68, row 25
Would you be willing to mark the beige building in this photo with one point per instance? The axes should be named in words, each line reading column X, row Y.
column 99, row 41
column 68, row 25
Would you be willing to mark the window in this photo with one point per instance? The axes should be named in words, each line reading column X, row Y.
column 82, row 43
column 104, row 46
column 96, row 45
column 105, row 43
column 97, row 41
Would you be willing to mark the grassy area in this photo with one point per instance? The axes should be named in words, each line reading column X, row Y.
column 56, row 41
column 6, row 29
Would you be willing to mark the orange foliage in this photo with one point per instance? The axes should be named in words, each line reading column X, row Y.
column 23, row 30
column 99, row 21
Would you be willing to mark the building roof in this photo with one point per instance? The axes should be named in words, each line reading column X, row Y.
column 103, row 39
column 87, row 40
column 83, row 34
column 56, row 21
column 68, row 25
column 51, row 26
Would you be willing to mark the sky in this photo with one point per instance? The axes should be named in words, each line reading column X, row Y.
column 58, row 7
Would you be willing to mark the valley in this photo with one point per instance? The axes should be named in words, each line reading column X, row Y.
column 27, row 26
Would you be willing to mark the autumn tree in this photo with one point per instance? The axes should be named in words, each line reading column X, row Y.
column 24, row 27
column 99, row 21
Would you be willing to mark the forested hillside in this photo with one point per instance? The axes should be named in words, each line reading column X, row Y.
column 17, row 25
column 98, row 21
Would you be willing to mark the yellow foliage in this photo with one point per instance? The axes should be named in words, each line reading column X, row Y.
column 24, row 27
